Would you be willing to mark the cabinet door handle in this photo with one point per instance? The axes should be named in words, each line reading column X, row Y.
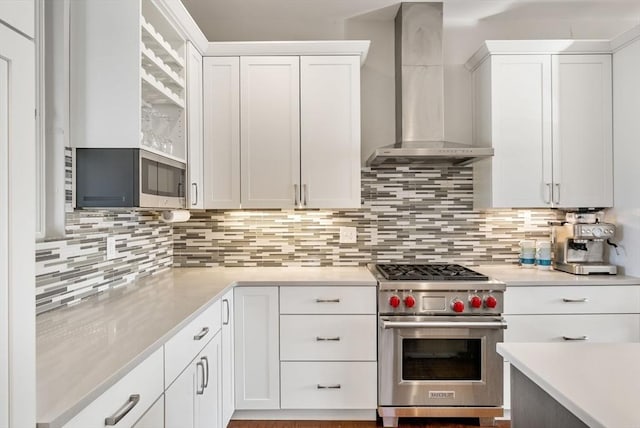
column 336, row 386
column 226, row 304
column 202, row 333
column 296, row 196
column 133, row 400
column 569, row 338
column 200, row 389
column 327, row 339
column 547, row 193
column 305, row 194
column 578, row 300
column 206, row 376
column 327, row 300
column 195, row 187
column 556, row 193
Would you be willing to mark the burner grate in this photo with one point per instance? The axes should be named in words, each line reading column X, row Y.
column 429, row 272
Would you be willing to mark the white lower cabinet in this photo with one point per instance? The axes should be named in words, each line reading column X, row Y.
column 154, row 418
column 127, row 400
column 570, row 314
column 193, row 400
column 329, row 385
column 257, row 357
column 226, row 363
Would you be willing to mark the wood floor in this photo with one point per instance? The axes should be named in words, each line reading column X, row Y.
column 404, row 423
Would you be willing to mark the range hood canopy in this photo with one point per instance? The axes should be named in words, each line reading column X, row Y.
column 420, row 95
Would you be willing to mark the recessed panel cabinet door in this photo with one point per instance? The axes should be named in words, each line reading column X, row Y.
column 270, row 131
column 194, row 121
column 257, row 355
column 221, row 132
column 582, row 131
column 330, row 131
column 17, row 229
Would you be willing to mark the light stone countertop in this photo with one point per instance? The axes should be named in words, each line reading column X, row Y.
column 84, row 349
column 514, row 276
column 597, row 382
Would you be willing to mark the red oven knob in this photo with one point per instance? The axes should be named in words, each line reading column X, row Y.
column 457, row 306
column 394, row 301
column 475, row 302
column 491, row 302
column 409, row 301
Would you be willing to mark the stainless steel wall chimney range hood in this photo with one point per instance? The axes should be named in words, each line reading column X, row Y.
column 420, row 94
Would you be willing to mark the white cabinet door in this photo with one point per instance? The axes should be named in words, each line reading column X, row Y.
column 221, row 132
column 270, row 131
column 194, row 128
column 227, row 364
column 17, row 229
column 582, row 131
column 180, row 400
column 257, row 358
column 521, row 118
column 207, row 403
column 330, row 131
column 19, row 14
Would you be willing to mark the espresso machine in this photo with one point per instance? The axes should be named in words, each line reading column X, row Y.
column 578, row 248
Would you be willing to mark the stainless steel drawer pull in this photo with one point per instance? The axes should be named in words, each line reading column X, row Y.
column 336, row 386
column 228, row 317
column 133, row 400
column 206, row 367
column 200, row 389
column 579, row 300
column 202, row 333
column 327, row 300
column 326, row 339
column 575, row 337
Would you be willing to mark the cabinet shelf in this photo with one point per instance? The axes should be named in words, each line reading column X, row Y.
column 160, row 47
column 157, row 68
column 153, row 93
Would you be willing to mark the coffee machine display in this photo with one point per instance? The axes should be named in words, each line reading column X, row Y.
column 579, row 248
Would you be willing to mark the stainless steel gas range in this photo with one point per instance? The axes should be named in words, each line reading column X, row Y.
column 438, row 329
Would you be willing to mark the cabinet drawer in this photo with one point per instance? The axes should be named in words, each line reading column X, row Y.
column 329, row 385
column 185, row 345
column 327, row 300
column 554, row 328
column 145, row 381
column 572, row 300
column 327, row 337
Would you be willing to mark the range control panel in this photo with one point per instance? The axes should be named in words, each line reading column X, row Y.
column 471, row 302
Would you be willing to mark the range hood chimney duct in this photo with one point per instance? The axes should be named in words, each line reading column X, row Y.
column 419, row 70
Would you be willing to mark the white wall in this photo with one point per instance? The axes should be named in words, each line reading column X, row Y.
column 626, row 142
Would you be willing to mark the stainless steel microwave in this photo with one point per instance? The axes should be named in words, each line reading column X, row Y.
column 128, row 178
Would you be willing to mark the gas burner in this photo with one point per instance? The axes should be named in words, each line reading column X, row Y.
column 429, row 272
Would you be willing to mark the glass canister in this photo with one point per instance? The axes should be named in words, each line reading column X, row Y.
column 543, row 255
column 527, row 253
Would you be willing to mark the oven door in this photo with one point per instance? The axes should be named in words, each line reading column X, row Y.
column 440, row 361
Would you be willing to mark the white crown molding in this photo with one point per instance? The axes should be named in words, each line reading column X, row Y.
column 178, row 14
column 625, row 39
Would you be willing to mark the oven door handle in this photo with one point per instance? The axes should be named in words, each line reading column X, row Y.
column 443, row 324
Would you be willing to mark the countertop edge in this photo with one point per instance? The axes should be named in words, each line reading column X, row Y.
column 578, row 411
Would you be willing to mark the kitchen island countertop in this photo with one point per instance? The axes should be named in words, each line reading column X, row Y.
column 84, row 349
column 598, row 382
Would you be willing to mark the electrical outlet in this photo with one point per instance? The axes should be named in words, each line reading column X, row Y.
column 348, row 235
column 112, row 252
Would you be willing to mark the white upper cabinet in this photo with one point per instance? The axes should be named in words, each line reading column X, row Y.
column 582, row 131
column 221, row 132
column 270, row 131
column 194, row 127
column 330, row 131
column 127, row 86
column 293, row 122
column 549, row 119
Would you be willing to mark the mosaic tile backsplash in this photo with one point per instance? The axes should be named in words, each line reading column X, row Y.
column 408, row 214
column 76, row 267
